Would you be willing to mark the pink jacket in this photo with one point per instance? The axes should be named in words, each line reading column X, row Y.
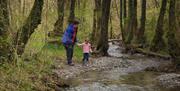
column 86, row 48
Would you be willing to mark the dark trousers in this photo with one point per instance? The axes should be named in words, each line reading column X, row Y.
column 85, row 58
column 69, row 53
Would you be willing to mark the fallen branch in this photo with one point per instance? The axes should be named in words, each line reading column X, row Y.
column 138, row 49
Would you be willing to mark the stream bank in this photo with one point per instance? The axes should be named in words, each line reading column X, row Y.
column 119, row 72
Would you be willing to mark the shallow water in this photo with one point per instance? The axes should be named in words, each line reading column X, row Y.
column 100, row 81
column 125, row 74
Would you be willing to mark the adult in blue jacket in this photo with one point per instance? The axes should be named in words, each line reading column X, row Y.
column 69, row 39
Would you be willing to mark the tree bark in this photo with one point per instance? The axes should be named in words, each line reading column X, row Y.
column 135, row 24
column 158, row 41
column 6, row 52
column 121, row 20
column 58, row 26
column 72, row 10
column 125, row 9
column 96, row 22
column 131, row 19
column 103, row 42
column 173, row 47
column 141, row 37
column 32, row 22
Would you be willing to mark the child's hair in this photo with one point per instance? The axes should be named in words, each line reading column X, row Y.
column 86, row 40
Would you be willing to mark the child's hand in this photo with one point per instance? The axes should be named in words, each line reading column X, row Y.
column 79, row 44
column 91, row 51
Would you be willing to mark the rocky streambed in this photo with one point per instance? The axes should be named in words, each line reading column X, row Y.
column 120, row 72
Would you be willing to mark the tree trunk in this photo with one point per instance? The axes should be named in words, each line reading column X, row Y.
column 96, row 22
column 72, row 10
column 141, row 37
column 6, row 52
column 178, row 20
column 135, row 24
column 173, row 47
column 103, row 42
column 158, row 41
column 125, row 10
column 32, row 22
column 121, row 20
column 130, row 27
column 58, row 26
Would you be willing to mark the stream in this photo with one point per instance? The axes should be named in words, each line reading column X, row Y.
column 120, row 72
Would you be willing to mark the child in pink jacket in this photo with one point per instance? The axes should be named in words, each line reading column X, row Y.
column 86, row 46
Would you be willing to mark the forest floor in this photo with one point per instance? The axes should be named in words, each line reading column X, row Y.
column 118, row 72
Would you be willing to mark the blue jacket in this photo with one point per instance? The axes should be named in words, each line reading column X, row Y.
column 67, row 38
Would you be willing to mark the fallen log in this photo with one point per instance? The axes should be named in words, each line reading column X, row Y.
column 138, row 49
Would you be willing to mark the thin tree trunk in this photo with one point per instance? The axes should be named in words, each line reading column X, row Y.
column 6, row 52
column 103, row 42
column 32, row 22
column 130, row 29
column 58, row 26
column 158, row 41
column 125, row 10
column 121, row 20
column 72, row 10
column 173, row 47
column 111, row 26
column 141, row 37
column 135, row 24
column 96, row 22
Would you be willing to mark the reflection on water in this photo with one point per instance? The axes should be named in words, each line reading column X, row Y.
column 97, row 81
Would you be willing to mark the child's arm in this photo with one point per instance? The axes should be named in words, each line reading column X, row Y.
column 91, row 49
column 80, row 44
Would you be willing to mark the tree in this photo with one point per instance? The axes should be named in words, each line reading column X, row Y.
column 96, row 22
column 121, row 20
column 72, row 10
column 31, row 23
column 131, row 20
column 58, row 26
column 135, row 24
column 6, row 52
column 141, row 37
column 173, row 46
column 103, row 41
column 125, row 10
column 158, row 41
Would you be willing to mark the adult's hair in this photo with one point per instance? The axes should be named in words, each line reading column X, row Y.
column 74, row 21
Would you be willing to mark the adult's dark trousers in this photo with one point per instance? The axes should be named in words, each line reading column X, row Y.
column 69, row 53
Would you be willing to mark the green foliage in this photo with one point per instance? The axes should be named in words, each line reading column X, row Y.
column 58, row 52
column 25, row 75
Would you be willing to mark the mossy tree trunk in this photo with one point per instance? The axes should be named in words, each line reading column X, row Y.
column 158, row 41
column 131, row 28
column 31, row 23
column 141, row 38
column 96, row 22
column 173, row 46
column 58, row 26
column 103, row 46
column 6, row 52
